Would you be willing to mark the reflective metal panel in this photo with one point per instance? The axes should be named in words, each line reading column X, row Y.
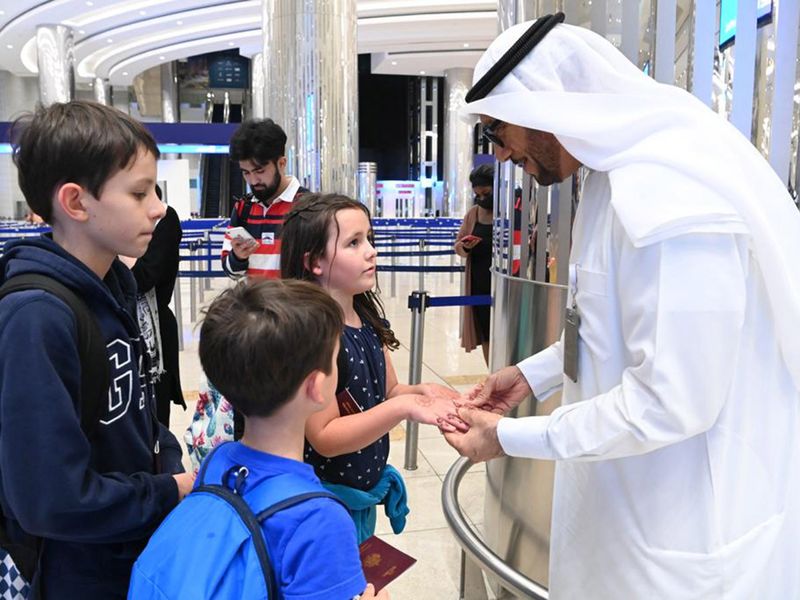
column 102, row 90
column 457, row 144
column 519, row 492
column 56, row 62
column 170, row 106
column 532, row 237
column 310, row 68
column 368, row 186
column 257, row 86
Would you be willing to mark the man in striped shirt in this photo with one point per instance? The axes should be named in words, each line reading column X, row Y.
column 259, row 147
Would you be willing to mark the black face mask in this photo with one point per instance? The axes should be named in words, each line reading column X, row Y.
column 486, row 202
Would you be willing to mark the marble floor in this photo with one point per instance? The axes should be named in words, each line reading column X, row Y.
column 427, row 536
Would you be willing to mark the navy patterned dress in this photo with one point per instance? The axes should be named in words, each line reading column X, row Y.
column 366, row 382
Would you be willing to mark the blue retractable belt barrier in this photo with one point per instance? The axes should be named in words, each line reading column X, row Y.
column 414, row 269
column 414, row 300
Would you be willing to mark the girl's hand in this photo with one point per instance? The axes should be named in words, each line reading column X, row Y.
column 433, row 390
column 435, row 410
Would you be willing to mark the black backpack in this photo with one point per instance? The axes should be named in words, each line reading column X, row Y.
column 95, row 379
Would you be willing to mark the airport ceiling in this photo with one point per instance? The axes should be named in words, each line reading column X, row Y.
column 118, row 39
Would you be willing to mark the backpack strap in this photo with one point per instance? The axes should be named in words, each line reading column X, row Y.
column 95, row 376
column 201, row 474
column 244, row 212
column 94, row 391
column 276, row 494
column 256, row 533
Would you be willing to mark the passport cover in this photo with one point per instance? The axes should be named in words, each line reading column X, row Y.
column 347, row 404
column 382, row 563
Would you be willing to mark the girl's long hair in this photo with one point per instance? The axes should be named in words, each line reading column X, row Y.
column 303, row 239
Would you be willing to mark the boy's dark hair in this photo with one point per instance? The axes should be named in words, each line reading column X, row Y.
column 260, row 141
column 262, row 338
column 303, row 239
column 74, row 142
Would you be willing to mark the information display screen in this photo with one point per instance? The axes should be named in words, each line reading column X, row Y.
column 727, row 18
column 228, row 70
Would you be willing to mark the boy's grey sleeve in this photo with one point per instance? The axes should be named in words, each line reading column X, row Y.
column 46, row 482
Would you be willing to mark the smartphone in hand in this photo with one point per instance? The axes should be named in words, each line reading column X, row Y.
column 470, row 238
column 241, row 234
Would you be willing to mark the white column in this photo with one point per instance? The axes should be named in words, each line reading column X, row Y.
column 102, row 90
column 457, row 143
column 310, row 62
column 56, row 62
column 745, row 70
column 780, row 144
column 702, row 43
column 257, row 86
column 665, row 41
column 170, row 109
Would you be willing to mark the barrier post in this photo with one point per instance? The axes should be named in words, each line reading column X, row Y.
column 417, row 302
column 200, row 285
column 421, row 265
column 452, row 262
column 192, row 287
column 394, row 264
column 176, row 301
column 207, row 280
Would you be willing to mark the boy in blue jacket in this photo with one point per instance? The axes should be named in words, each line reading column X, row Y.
column 270, row 347
column 89, row 503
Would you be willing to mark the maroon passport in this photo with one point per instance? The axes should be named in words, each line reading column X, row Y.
column 381, row 562
column 347, row 404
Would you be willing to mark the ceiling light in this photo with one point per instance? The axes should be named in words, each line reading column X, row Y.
column 179, row 22
column 110, row 41
column 143, row 12
column 231, row 44
column 2, row 12
column 89, row 3
column 161, row 58
column 9, row 46
column 466, row 45
column 422, row 72
column 81, row 31
column 394, row 62
column 124, row 72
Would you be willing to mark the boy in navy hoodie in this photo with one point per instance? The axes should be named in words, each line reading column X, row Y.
column 90, row 172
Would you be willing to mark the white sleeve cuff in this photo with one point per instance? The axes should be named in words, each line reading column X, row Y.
column 544, row 371
column 525, row 437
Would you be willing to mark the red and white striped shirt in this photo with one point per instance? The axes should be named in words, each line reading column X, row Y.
column 264, row 224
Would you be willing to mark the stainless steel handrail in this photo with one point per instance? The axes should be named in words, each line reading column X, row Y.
column 472, row 544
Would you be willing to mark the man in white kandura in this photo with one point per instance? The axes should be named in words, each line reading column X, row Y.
column 678, row 442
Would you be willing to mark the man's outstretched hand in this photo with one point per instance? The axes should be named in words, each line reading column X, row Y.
column 501, row 392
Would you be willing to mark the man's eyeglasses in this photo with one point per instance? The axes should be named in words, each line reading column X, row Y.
column 490, row 133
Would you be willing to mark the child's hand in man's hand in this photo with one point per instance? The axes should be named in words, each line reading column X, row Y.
column 436, row 389
column 435, row 410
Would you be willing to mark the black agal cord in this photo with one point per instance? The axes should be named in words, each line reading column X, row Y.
column 514, row 55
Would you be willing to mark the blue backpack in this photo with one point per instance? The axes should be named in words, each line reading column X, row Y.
column 225, row 527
